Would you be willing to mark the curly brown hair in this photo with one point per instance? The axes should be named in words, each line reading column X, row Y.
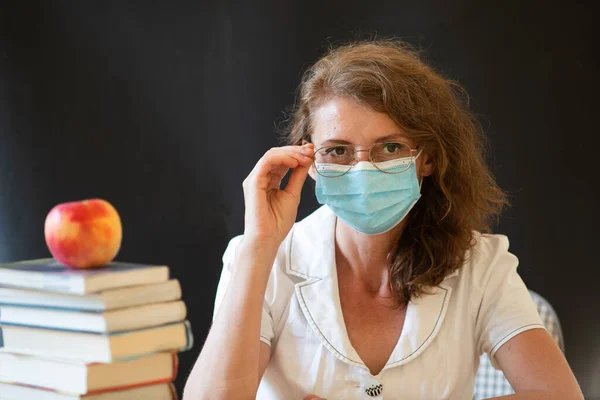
column 460, row 198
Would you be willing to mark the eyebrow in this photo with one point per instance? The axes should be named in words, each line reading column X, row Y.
column 379, row 139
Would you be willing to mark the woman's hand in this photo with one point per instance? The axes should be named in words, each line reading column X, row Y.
column 270, row 210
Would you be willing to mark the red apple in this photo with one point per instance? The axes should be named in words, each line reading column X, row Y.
column 83, row 234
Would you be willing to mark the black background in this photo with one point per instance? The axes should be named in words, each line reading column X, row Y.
column 162, row 108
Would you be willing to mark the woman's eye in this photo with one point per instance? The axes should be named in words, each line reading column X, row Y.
column 336, row 151
column 392, row 147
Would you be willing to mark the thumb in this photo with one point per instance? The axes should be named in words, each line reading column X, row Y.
column 313, row 397
column 296, row 181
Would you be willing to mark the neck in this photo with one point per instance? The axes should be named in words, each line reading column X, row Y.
column 364, row 258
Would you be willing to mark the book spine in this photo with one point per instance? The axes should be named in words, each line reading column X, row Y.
column 68, row 285
column 73, row 285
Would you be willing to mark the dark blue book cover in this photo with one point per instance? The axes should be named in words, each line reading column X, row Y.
column 49, row 274
column 51, row 266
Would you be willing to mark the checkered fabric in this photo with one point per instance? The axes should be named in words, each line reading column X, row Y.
column 491, row 382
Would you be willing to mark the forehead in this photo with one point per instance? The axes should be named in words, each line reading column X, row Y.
column 346, row 120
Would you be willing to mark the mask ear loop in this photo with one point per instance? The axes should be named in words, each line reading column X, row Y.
column 414, row 162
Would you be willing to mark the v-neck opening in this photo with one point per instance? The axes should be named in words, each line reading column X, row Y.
column 318, row 295
column 341, row 311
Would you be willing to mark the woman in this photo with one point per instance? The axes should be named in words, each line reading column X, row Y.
column 390, row 289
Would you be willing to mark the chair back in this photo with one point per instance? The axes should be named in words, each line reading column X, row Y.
column 491, row 382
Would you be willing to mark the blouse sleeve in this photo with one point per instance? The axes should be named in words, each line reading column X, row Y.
column 506, row 307
column 266, row 329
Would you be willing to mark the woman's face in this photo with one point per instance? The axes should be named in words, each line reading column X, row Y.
column 344, row 121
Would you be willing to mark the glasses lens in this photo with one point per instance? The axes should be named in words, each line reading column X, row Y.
column 334, row 161
column 386, row 153
column 382, row 152
column 338, row 155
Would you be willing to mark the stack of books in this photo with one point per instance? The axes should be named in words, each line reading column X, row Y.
column 112, row 333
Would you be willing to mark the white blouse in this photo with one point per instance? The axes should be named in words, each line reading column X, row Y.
column 476, row 309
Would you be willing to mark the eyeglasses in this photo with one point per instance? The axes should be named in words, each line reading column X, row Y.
column 337, row 160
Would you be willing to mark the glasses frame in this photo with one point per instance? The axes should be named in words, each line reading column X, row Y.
column 413, row 157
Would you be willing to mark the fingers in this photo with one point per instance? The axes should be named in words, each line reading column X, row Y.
column 290, row 156
column 296, row 181
column 277, row 161
column 298, row 175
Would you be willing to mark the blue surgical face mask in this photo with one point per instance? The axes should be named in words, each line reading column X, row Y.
column 367, row 199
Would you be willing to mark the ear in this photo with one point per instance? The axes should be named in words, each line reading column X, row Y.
column 311, row 170
column 427, row 166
